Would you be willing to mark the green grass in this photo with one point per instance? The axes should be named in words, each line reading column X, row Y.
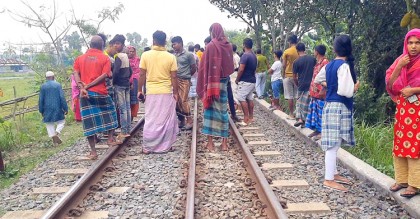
column 23, row 86
column 16, row 74
column 33, row 146
column 374, row 146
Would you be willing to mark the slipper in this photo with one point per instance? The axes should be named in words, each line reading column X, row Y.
column 92, row 157
column 316, row 137
column 410, row 194
column 397, row 187
column 336, row 189
column 187, row 127
column 298, row 123
column 313, row 134
column 291, row 118
column 344, row 182
column 242, row 123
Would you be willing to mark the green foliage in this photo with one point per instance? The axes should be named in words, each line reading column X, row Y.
column 236, row 37
column 74, row 41
column 374, row 146
column 369, row 106
column 7, row 137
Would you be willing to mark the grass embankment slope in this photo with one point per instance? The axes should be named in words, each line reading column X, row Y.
column 24, row 142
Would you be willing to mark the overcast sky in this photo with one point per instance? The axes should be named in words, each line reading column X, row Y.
column 189, row 19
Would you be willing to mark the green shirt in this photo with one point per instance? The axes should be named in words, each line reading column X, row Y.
column 262, row 63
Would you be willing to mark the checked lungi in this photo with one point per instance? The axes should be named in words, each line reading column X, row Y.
column 314, row 117
column 302, row 105
column 337, row 126
column 216, row 118
column 98, row 114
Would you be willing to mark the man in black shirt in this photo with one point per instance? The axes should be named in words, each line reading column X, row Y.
column 246, row 81
column 121, row 74
column 303, row 69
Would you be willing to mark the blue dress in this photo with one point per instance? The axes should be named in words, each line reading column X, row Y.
column 52, row 103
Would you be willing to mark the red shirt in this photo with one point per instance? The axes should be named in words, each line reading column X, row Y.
column 316, row 90
column 90, row 66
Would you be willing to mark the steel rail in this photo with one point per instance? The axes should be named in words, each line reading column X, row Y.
column 273, row 208
column 78, row 191
column 189, row 212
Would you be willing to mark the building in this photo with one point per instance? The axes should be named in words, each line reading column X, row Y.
column 13, row 65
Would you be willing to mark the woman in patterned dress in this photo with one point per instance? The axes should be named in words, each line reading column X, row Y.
column 403, row 85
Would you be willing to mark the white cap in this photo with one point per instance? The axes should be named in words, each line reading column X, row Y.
column 49, row 74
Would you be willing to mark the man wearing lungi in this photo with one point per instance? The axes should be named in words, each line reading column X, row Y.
column 186, row 68
column 303, row 70
column 158, row 70
column 96, row 106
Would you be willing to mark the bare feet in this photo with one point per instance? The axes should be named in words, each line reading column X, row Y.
column 92, row 156
column 210, row 146
column 331, row 184
column 224, row 146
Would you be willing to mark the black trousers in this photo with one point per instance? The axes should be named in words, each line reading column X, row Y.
column 230, row 99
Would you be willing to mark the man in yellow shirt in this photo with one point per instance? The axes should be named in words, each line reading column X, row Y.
column 198, row 52
column 261, row 75
column 290, row 87
column 158, row 69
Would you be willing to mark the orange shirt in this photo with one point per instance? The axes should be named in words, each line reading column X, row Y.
column 90, row 66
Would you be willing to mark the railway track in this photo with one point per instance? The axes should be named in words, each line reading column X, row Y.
column 67, row 205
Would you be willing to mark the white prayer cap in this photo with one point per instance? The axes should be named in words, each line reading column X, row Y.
column 49, row 74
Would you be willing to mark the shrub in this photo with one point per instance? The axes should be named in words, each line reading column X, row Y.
column 374, row 146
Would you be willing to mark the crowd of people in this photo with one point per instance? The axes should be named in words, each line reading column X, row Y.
column 109, row 81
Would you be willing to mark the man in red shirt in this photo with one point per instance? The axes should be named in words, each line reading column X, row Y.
column 97, row 108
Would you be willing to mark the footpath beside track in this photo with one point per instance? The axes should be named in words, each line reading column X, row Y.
column 364, row 171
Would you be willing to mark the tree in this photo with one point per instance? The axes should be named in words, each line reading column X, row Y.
column 236, row 37
column 252, row 12
column 90, row 27
column 73, row 41
column 134, row 39
column 45, row 19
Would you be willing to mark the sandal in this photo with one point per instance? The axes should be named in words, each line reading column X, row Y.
column 337, row 187
column 397, row 187
column 342, row 180
column 187, row 127
column 298, row 123
column 313, row 134
column 410, row 193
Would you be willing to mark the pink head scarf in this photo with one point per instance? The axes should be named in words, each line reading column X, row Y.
column 134, row 64
column 408, row 75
